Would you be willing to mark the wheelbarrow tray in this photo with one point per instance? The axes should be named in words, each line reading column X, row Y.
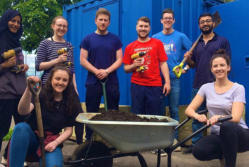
column 128, row 136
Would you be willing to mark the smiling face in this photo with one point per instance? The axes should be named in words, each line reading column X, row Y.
column 143, row 30
column 206, row 24
column 220, row 68
column 14, row 24
column 167, row 21
column 59, row 27
column 59, row 81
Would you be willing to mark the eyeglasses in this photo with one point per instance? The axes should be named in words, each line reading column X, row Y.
column 206, row 21
column 168, row 18
column 61, row 26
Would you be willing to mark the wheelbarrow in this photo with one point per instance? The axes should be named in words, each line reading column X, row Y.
column 129, row 139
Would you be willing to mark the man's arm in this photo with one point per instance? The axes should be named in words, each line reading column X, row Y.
column 117, row 63
column 85, row 63
column 165, row 71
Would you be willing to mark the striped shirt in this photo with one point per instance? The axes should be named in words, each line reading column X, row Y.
column 47, row 51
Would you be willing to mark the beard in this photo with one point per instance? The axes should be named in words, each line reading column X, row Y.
column 142, row 36
column 207, row 31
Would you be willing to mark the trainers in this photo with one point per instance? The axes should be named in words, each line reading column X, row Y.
column 4, row 161
column 178, row 149
column 163, row 153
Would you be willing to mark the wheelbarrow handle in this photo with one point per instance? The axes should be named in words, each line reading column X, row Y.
column 220, row 120
column 225, row 118
column 189, row 118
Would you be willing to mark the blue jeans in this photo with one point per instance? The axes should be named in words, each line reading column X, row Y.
column 173, row 101
column 196, row 124
column 24, row 142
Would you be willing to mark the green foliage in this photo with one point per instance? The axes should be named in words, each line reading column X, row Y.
column 37, row 17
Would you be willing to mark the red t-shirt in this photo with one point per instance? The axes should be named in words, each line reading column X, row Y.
column 154, row 55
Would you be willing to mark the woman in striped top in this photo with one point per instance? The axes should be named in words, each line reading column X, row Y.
column 48, row 57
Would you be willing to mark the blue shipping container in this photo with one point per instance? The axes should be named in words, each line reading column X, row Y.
column 124, row 14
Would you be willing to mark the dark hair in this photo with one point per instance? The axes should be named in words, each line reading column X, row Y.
column 221, row 53
column 144, row 19
column 69, row 94
column 104, row 12
column 168, row 10
column 205, row 15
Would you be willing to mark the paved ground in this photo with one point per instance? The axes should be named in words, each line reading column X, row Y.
column 178, row 159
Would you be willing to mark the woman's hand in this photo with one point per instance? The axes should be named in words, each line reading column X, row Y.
column 34, row 79
column 62, row 58
column 9, row 63
column 25, row 67
column 213, row 120
column 50, row 147
column 200, row 117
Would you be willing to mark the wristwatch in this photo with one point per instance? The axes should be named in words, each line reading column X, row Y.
column 186, row 68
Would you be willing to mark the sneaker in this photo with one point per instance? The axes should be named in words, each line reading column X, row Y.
column 4, row 161
column 2, row 165
column 163, row 153
column 178, row 149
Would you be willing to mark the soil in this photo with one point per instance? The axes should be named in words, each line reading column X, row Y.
column 124, row 116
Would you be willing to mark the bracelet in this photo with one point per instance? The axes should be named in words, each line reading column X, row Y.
column 186, row 68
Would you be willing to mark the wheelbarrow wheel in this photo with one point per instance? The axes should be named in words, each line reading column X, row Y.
column 97, row 149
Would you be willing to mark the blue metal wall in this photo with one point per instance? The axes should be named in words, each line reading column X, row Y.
column 235, row 28
column 123, row 21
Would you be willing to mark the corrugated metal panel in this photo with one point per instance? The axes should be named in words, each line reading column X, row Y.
column 123, row 22
column 236, row 31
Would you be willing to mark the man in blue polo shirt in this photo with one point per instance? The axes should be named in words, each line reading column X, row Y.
column 208, row 44
column 101, row 55
column 175, row 45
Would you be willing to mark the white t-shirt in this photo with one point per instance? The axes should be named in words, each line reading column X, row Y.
column 221, row 104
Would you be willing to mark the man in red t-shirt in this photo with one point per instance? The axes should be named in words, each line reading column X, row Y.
column 144, row 58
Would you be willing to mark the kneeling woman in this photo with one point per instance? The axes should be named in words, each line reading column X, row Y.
column 223, row 97
column 59, row 107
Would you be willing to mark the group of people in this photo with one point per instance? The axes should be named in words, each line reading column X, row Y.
column 150, row 60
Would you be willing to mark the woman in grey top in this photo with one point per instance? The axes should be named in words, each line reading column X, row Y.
column 223, row 97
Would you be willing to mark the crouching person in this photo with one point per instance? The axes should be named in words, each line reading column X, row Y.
column 223, row 97
column 59, row 107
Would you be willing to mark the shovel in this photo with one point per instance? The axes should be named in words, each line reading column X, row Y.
column 35, row 89
column 103, row 83
column 178, row 69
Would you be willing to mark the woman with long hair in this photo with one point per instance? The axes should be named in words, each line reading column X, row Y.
column 59, row 108
column 48, row 55
column 223, row 97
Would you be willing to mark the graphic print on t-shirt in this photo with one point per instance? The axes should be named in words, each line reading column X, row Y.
column 146, row 59
column 170, row 48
